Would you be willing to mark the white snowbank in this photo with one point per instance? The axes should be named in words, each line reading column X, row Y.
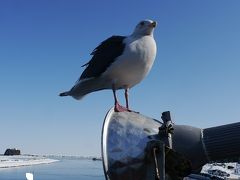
column 16, row 161
column 223, row 170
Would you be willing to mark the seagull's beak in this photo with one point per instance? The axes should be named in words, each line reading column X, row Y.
column 153, row 24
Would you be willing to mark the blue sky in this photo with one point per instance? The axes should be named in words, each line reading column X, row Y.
column 44, row 43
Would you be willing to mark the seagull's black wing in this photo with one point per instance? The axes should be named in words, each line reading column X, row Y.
column 103, row 56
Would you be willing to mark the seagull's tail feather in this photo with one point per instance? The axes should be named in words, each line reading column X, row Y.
column 64, row 94
column 86, row 86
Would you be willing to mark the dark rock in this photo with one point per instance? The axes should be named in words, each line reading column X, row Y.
column 11, row 152
column 96, row 159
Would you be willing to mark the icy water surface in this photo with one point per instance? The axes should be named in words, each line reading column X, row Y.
column 65, row 169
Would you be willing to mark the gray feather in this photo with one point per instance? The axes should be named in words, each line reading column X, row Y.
column 87, row 86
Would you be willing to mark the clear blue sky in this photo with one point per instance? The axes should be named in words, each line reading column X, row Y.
column 44, row 43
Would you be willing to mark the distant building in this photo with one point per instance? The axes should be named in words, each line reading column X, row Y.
column 11, row 152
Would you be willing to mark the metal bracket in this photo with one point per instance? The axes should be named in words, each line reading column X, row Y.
column 166, row 130
column 156, row 149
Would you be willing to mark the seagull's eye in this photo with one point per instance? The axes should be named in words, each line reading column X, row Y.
column 142, row 23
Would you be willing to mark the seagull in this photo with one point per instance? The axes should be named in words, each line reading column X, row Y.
column 119, row 62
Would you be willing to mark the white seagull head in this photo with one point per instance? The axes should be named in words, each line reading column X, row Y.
column 145, row 27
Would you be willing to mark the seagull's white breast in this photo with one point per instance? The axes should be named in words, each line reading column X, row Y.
column 134, row 64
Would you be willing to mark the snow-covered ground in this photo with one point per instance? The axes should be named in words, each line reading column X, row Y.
column 23, row 160
column 222, row 170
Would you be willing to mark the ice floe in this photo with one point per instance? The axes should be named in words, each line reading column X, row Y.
column 23, row 160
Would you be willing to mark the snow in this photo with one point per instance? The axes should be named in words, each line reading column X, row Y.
column 23, row 160
column 29, row 176
column 222, row 170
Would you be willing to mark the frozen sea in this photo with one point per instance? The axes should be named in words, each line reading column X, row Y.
column 76, row 168
column 64, row 169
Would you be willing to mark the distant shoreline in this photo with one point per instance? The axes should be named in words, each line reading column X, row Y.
column 23, row 160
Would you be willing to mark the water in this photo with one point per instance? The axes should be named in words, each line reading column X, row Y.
column 65, row 169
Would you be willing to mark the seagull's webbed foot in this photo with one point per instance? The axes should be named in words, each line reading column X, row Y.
column 119, row 108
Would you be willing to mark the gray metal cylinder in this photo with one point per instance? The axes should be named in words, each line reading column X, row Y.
column 222, row 142
column 187, row 140
column 201, row 146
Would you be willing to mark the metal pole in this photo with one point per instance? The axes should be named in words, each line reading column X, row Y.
column 159, row 160
column 156, row 163
column 162, row 161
